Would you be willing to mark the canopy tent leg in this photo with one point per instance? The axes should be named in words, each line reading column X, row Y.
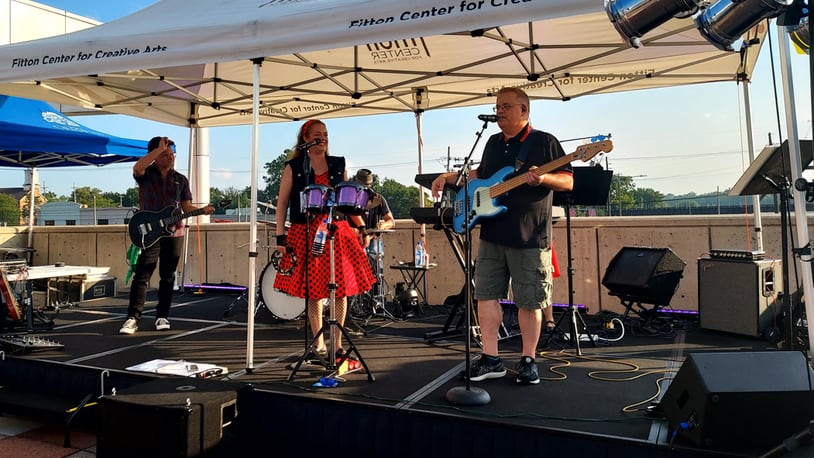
column 801, row 223
column 253, row 213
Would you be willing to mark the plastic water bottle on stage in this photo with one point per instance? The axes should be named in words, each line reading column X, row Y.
column 419, row 253
column 319, row 239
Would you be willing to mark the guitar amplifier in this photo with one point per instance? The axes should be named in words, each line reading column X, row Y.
column 738, row 296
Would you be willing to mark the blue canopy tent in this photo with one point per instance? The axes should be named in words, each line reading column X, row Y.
column 33, row 135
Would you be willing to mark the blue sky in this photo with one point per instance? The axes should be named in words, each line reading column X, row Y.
column 674, row 140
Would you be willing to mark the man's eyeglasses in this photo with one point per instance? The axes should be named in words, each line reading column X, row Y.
column 504, row 106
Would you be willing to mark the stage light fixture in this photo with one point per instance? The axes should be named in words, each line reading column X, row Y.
column 800, row 35
column 725, row 21
column 634, row 18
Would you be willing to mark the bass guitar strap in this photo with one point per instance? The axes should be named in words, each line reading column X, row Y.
column 524, row 149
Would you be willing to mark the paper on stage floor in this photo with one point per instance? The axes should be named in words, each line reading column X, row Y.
column 179, row 367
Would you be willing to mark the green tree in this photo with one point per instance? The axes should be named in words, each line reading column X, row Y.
column 116, row 197
column 86, row 195
column 215, row 197
column 131, row 197
column 621, row 194
column 51, row 196
column 400, row 197
column 274, row 172
column 9, row 210
column 646, row 198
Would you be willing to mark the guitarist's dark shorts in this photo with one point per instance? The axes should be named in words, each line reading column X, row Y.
column 530, row 271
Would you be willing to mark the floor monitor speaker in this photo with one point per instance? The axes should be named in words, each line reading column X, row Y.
column 650, row 275
column 740, row 399
column 177, row 417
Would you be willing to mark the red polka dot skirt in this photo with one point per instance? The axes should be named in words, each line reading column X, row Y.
column 352, row 271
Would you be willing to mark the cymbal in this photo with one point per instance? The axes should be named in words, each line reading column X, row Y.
column 379, row 231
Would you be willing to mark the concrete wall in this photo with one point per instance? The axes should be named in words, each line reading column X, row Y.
column 217, row 252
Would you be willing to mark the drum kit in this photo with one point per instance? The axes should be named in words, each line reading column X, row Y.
column 349, row 198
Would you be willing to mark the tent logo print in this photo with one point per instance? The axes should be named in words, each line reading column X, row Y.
column 60, row 122
column 398, row 50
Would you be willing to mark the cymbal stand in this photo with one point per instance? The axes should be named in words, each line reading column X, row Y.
column 244, row 296
column 378, row 301
column 332, row 325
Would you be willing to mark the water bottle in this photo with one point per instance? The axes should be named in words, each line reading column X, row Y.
column 419, row 253
column 425, row 254
column 319, row 238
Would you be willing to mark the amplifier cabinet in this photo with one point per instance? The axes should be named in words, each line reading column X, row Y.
column 738, row 296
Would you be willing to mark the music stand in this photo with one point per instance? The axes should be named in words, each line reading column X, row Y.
column 773, row 162
column 770, row 173
column 591, row 187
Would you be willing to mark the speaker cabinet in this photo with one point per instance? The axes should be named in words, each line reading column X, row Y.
column 176, row 417
column 739, row 297
column 650, row 275
column 736, row 399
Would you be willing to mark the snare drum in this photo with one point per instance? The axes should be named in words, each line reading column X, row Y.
column 314, row 198
column 352, row 197
column 280, row 304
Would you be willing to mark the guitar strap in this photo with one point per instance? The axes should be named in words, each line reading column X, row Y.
column 177, row 189
column 524, row 149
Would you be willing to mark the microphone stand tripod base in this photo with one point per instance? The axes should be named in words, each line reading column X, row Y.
column 468, row 396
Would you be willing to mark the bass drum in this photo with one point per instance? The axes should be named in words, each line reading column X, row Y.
column 280, row 304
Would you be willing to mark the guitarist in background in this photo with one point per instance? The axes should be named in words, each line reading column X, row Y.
column 515, row 246
column 159, row 185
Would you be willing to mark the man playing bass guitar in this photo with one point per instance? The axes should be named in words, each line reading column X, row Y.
column 515, row 244
column 159, row 186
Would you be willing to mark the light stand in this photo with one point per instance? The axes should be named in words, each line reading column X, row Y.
column 783, row 188
column 591, row 187
column 468, row 395
column 332, row 325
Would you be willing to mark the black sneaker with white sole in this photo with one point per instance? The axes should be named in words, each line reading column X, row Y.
column 527, row 371
column 486, row 368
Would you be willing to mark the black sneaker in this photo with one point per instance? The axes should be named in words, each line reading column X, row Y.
column 527, row 371
column 483, row 369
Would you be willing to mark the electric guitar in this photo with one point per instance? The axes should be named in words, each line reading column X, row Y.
column 147, row 227
column 484, row 193
column 13, row 308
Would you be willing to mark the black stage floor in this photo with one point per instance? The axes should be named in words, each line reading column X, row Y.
column 594, row 404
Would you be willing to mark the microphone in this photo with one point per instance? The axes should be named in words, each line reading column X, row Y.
column 488, row 118
column 308, row 145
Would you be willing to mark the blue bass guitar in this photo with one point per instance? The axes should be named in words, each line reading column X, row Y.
column 484, row 193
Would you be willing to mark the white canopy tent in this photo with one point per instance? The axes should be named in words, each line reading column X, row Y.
column 321, row 58
column 253, row 61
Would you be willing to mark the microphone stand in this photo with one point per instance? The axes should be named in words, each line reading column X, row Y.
column 468, row 395
column 306, row 168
